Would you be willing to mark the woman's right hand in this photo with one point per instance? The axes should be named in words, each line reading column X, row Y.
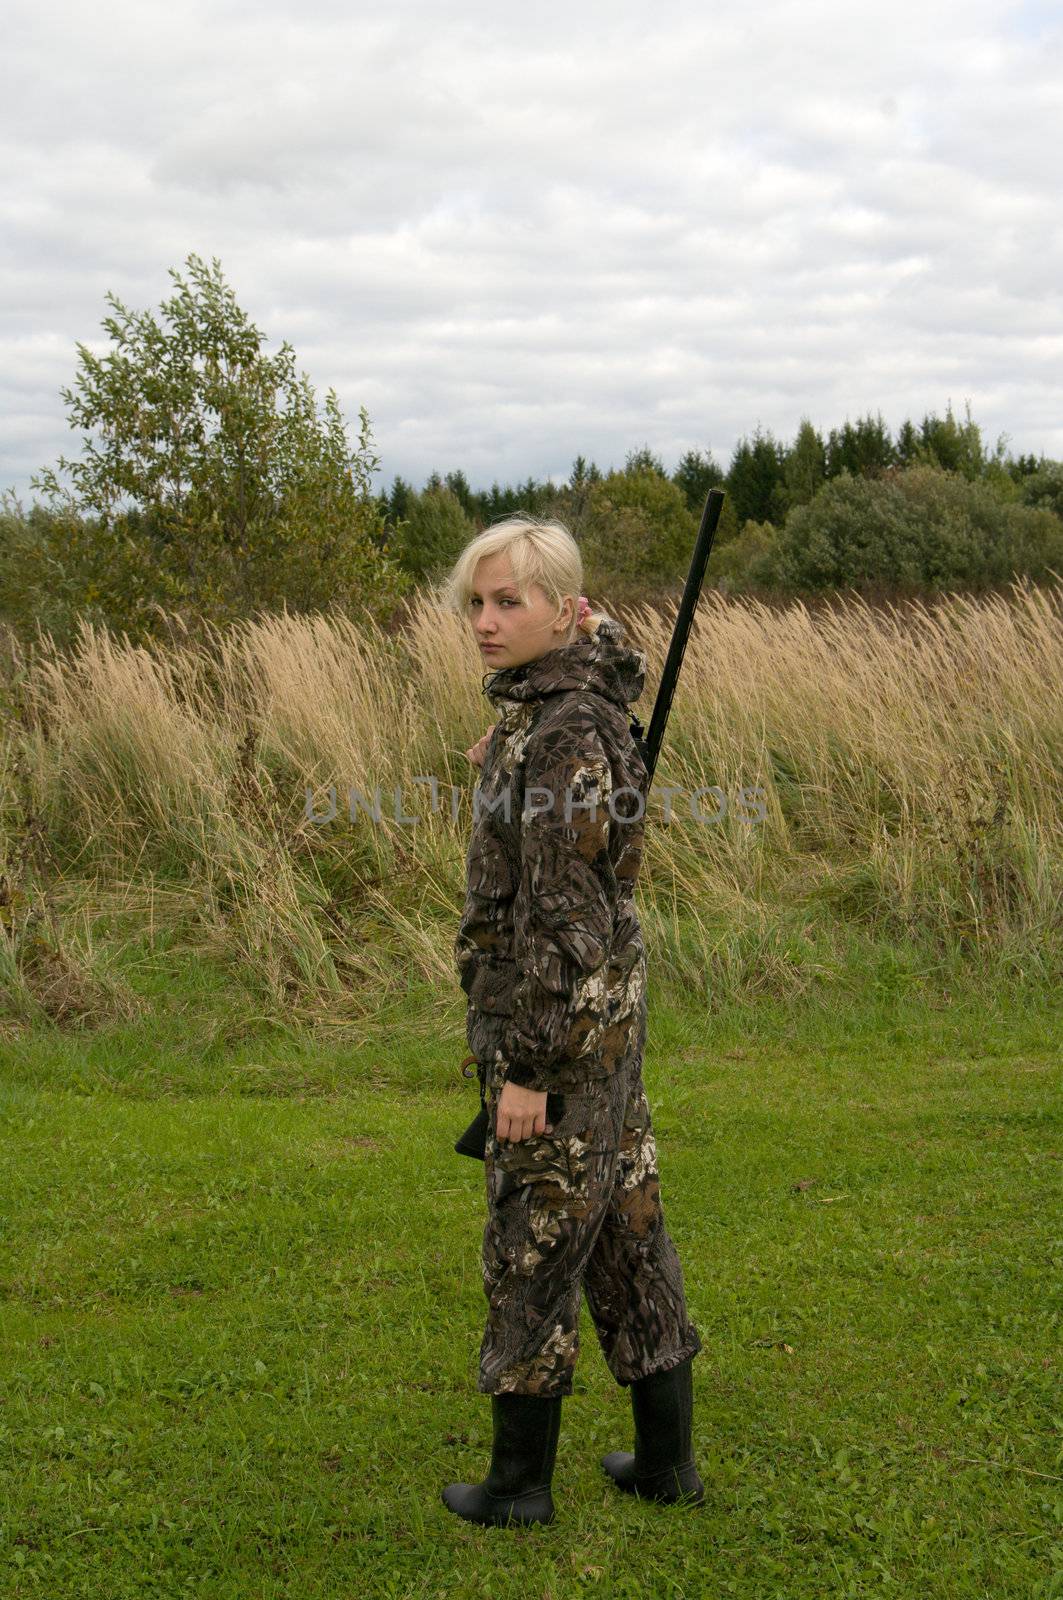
column 479, row 749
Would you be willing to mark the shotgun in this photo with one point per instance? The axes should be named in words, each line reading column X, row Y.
column 648, row 743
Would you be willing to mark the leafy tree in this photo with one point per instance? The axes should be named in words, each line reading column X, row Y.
column 433, row 533
column 1044, row 487
column 58, row 568
column 749, row 561
column 212, row 456
column 636, row 531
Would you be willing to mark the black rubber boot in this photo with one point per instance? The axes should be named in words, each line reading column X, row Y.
column 517, row 1486
column 662, row 1467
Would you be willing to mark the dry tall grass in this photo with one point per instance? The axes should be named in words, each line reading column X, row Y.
column 909, row 763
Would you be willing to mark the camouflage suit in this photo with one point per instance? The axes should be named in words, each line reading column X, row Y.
column 551, row 957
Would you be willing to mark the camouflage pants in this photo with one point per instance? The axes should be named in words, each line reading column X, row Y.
column 572, row 1211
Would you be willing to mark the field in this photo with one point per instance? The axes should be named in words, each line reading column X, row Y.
column 242, row 1309
column 239, row 1266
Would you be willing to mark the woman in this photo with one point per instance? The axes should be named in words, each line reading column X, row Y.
column 550, row 954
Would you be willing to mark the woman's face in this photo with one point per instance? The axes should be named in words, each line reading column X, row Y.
column 518, row 631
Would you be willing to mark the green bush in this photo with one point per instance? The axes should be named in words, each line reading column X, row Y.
column 1043, row 489
column 750, row 561
column 58, row 567
column 919, row 527
column 432, row 533
column 636, row 530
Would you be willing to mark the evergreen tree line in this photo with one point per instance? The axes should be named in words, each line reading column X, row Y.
column 934, row 505
column 766, row 478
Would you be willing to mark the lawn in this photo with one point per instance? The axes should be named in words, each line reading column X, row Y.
column 241, row 1310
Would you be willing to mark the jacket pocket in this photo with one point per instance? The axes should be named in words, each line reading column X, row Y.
column 492, row 987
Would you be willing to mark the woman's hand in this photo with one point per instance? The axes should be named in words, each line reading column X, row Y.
column 479, row 749
column 521, row 1112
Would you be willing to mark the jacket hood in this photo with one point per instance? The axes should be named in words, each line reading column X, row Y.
column 603, row 662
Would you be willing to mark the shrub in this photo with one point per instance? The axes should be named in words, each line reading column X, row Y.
column 920, row 527
column 636, row 530
column 432, row 533
column 1043, row 489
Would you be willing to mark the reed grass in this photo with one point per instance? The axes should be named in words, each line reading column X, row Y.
column 908, row 760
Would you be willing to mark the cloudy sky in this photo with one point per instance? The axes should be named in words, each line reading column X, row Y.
column 516, row 233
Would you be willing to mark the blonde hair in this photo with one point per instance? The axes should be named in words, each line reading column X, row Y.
column 540, row 551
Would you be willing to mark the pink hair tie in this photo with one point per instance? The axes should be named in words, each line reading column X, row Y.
column 584, row 609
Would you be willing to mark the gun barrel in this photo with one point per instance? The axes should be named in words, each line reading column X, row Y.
column 649, row 745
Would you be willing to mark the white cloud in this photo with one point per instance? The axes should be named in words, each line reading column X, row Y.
column 515, row 235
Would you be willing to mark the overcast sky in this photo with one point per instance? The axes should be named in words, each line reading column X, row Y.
column 518, row 233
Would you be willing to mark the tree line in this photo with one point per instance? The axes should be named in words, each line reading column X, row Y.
column 767, row 478
column 933, row 505
column 212, row 484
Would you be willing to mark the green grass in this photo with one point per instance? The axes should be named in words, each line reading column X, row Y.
column 241, row 1310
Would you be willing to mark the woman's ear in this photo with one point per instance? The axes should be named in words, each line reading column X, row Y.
column 563, row 625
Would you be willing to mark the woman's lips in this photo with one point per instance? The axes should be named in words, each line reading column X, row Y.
column 490, row 647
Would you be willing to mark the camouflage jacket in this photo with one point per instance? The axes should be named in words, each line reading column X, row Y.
column 549, row 949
